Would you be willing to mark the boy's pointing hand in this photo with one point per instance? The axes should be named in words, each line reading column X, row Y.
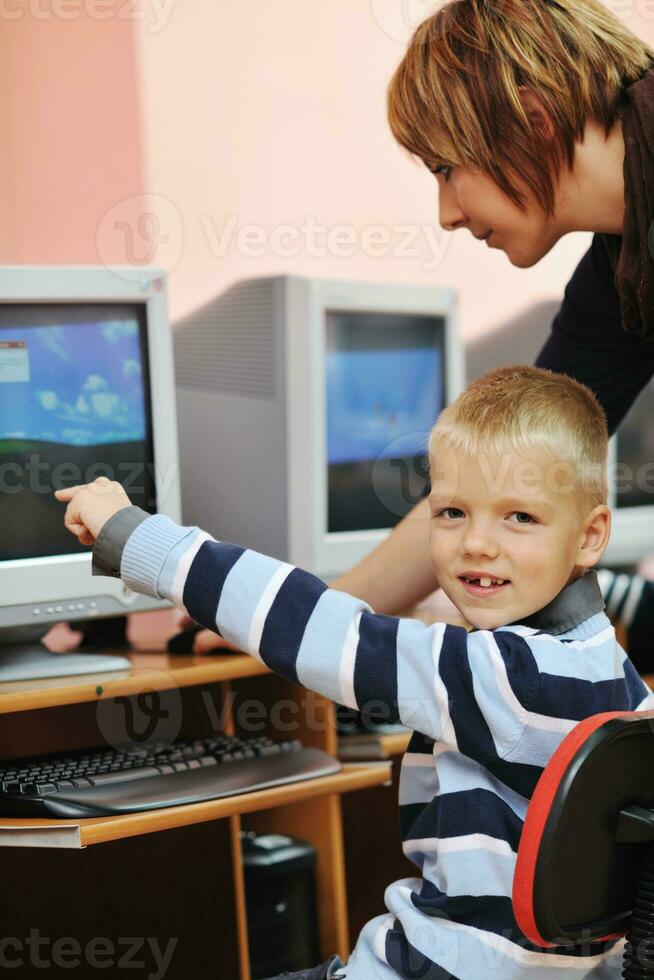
column 90, row 506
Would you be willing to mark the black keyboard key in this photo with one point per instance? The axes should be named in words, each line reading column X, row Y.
column 107, row 778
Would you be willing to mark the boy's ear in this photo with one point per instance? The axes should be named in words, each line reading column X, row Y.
column 595, row 536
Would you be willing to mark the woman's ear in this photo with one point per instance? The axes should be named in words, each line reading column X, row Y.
column 537, row 113
column 595, row 537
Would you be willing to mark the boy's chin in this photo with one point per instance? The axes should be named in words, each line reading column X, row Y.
column 486, row 619
column 488, row 622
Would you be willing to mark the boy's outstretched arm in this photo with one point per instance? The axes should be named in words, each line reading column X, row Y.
column 435, row 679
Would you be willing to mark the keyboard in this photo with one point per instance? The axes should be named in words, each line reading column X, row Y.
column 108, row 782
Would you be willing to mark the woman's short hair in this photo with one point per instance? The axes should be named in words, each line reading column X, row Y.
column 456, row 97
column 519, row 410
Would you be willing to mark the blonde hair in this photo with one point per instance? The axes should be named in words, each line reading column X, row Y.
column 455, row 98
column 516, row 409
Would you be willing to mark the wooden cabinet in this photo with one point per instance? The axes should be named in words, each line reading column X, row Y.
column 172, row 876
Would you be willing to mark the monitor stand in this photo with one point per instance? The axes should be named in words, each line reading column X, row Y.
column 23, row 657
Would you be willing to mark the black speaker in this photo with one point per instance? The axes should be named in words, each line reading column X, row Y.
column 280, row 884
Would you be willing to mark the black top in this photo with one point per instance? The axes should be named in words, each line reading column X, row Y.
column 589, row 343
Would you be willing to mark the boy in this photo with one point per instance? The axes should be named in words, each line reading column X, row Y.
column 518, row 520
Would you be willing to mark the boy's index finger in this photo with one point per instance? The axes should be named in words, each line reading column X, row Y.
column 67, row 493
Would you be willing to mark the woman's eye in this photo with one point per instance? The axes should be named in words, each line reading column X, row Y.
column 452, row 513
column 444, row 171
column 523, row 518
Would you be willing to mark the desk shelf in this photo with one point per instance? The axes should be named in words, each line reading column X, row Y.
column 375, row 747
column 154, row 671
column 24, row 832
column 139, row 866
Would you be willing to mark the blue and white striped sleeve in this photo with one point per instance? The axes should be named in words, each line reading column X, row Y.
column 436, row 679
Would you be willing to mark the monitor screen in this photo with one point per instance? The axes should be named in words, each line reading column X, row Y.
column 74, row 405
column 385, row 389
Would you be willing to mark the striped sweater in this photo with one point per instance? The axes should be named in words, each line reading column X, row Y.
column 487, row 708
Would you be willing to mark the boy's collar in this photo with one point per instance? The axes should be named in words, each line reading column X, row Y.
column 574, row 604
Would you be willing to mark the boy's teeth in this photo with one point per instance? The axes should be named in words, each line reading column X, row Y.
column 486, row 582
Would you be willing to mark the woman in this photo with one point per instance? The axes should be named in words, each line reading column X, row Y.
column 537, row 119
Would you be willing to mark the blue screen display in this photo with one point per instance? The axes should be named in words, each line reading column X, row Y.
column 380, row 400
column 76, row 384
column 385, row 387
column 74, row 405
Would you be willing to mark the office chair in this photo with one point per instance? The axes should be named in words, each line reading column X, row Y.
column 585, row 868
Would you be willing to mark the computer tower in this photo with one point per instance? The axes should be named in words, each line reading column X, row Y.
column 280, row 884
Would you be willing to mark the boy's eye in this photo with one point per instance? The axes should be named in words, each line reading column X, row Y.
column 452, row 513
column 523, row 518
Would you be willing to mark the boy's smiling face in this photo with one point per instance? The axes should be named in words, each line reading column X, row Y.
column 512, row 518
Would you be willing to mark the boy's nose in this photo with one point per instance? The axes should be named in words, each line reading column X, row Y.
column 479, row 541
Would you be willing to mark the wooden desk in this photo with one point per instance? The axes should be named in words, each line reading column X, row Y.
column 187, row 883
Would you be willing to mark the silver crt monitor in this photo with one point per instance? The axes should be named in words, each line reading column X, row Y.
column 86, row 390
column 304, row 411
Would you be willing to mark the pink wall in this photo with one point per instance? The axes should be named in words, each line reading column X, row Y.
column 71, row 129
column 266, row 114
column 235, row 139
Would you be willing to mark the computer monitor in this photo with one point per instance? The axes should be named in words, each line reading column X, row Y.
column 86, row 390
column 631, row 484
column 305, row 407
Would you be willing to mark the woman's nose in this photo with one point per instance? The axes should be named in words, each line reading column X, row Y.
column 450, row 215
